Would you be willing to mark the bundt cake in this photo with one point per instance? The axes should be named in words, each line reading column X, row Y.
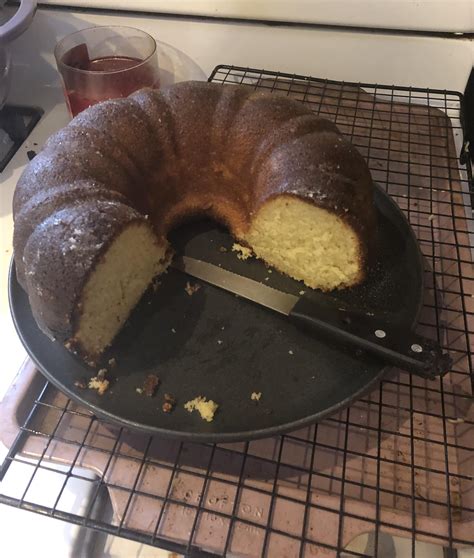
column 93, row 208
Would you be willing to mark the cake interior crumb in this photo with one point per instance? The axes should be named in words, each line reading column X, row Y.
column 243, row 251
column 100, row 385
column 256, row 395
column 206, row 409
column 191, row 289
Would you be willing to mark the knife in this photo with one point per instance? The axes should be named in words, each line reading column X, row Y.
column 345, row 327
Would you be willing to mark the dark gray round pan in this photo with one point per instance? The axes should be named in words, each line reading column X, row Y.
column 225, row 348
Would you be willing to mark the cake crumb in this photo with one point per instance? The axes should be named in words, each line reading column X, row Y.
column 301, row 293
column 169, row 403
column 456, row 420
column 205, row 408
column 100, row 385
column 150, row 385
column 112, row 362
column 290, row 352
column 191, row 289
column 82, row 383
column 102, row 373
column 222, row 249
column 431, row 217
column 256, row 395
column 167, row 407
column 155, row 285
column 139, row 390
column 244, row 251
column 219, row 341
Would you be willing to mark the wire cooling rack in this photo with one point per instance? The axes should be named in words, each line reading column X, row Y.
column 397, row 462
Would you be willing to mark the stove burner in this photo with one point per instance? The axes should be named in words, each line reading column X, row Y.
column 16, row 123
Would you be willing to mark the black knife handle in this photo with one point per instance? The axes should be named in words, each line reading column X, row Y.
column 395, row 345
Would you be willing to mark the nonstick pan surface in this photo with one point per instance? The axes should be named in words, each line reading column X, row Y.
column 225, row 348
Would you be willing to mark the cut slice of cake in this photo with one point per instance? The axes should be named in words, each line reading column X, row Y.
column 307, row 243
column 115, row 286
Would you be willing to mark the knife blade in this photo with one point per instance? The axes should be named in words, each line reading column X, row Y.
column 237, row 284
column 349, row 328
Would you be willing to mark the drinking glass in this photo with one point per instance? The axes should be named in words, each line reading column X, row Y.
column 102, row 63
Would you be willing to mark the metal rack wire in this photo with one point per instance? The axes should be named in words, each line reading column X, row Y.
column 397, row 462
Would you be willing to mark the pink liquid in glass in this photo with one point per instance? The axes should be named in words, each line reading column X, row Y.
column 108, row 77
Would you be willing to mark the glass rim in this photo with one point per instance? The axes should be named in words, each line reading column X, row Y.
column 61, row 64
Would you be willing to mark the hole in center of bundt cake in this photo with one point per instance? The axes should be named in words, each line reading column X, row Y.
column 306, row 242
column 116, row 285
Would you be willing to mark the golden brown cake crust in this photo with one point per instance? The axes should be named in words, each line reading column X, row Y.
column 193, row 148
